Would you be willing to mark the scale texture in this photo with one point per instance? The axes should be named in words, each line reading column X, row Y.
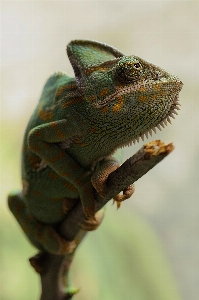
column 74, row 138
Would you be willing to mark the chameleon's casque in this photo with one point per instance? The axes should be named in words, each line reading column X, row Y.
column 73, row 138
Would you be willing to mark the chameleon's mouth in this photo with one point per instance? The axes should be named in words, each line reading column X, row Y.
column 171, row 87
column 161, row 124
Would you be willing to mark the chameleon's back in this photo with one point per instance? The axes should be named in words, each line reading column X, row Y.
column 47, row 104
column 47, row 110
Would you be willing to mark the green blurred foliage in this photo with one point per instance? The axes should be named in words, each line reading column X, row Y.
column 124, row 260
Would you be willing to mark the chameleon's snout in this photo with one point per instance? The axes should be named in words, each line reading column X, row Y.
column 181, row 85
column 178, row 83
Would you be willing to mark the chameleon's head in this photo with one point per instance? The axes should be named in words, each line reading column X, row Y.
column 124, row 94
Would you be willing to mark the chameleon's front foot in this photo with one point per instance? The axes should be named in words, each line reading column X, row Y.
column 100, row 176
column 99, row 180
column 127, row 193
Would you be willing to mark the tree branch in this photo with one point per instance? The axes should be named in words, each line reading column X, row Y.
column 53, row 268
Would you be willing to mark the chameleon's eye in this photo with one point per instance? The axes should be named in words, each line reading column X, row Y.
column 137, row 66
column 128, row 70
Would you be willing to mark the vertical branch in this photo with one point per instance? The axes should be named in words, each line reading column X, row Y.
column 54, row 273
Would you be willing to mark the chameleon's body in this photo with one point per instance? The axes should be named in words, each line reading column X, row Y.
column 71, row 140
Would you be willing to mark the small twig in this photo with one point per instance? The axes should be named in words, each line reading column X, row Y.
column 54, row 266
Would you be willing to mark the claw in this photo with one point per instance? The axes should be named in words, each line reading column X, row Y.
column 127, row 193
column 93, row 224
column 118, row 203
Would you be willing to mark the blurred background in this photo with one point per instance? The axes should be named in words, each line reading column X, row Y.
column 149, row 248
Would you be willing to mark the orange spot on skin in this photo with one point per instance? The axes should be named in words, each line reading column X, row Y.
column 91, row 98
column 104, row 109
column 60, row 90
column 160, row 94
column 66, row 174
column 92, row 129
column 37, row 132
column 66, row 104
column 53, row 124
column 143, row 98
column 103, row 92
column 97, row 68
column 46, row 146
column 142, row 89
column 65, row 88
column 152, row 97
column 77, row 140
column 70, row 187
column 58, row 157
column 72, row 101
column 34, row 161
column 60, row 134
column 72, row 86
column 118, row 105
column 156, row 87
column 53, row 175
column 45, row 115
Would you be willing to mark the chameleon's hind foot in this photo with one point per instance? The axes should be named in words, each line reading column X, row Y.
column 127, row 193
column 90, row 225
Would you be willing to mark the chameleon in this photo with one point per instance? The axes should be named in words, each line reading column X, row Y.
column 76, row 134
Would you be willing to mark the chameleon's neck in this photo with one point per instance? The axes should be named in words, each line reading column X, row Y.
column 96, row 142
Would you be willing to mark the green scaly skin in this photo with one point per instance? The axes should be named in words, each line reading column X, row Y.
column 72, row 139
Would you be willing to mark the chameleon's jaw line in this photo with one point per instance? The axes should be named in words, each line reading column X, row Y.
column 145, row 84
column 164, row 122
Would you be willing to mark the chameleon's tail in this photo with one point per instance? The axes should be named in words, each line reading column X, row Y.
column 17, row 206
column 39, row 234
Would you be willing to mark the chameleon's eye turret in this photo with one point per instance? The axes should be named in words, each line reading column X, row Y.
column 128, row 70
